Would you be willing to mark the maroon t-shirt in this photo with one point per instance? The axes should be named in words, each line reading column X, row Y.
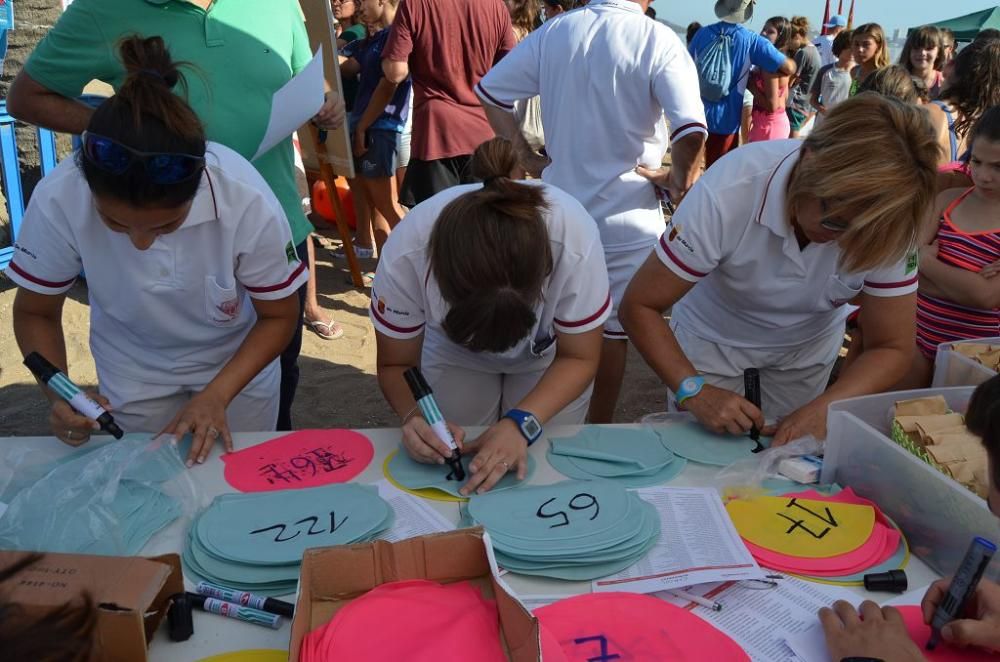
column 450, row 45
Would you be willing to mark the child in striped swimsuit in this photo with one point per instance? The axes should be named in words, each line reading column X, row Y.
column 959, row 296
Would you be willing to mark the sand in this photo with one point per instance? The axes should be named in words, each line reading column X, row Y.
column 338, row 388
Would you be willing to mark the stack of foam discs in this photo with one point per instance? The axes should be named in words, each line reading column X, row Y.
column 254, row 542
column 574, row 530
column 634, row 458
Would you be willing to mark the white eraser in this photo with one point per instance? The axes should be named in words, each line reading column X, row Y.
column 804, row 469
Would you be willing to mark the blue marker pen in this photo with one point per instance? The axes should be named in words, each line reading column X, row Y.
column 963, row 585
column 56, row 380
column 246, row 599
column 230, row 610
column 424, row 396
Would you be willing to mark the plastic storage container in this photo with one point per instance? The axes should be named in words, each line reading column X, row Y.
column 938, row 515
column 954, row 369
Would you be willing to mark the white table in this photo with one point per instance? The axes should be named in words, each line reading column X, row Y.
column 215, row 634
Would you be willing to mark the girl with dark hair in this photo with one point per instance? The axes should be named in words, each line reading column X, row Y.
column 191, row 270
column 924, row 56
column 959, row 295
column 499, row 292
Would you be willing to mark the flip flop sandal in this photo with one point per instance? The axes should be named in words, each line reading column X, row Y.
column 359, row 251
column 325, row 330
column 367, row 278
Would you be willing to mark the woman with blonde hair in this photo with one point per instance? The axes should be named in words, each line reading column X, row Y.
column 871, row 52
column 762, row 257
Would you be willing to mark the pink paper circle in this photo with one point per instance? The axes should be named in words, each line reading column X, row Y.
column 306, row 458
column 600, row 626
column 920, row 633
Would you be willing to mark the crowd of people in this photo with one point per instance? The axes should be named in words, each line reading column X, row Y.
column 541, row 184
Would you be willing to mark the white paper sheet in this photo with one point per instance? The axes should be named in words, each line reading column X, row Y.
column 698, row 544
column 413, row 516
column 294, row 104
column 762, row 620
column 810, row 645
column 533, row 602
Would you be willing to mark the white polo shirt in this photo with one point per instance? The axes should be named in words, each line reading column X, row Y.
column 407, row 302
column 606, row 74
column 755, row 287
column 177, row 312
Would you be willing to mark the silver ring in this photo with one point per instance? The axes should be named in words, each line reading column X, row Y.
column 212, row 432
column 69, row 434
column 506, row 467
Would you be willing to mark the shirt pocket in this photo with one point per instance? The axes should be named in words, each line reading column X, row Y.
column 839, row 293
column 222, row 304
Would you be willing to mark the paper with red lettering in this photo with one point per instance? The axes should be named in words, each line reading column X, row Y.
column 306, row 458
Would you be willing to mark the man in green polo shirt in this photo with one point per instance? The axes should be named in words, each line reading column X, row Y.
column 240, row 52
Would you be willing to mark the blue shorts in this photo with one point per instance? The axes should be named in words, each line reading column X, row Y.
column 381, row 159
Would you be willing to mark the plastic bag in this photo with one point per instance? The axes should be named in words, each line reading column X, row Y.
column 759, row 474
column 106, row 498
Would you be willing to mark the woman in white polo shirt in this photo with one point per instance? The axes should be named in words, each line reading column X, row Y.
column 764, row 254
column 499, row 292
column 190, row 268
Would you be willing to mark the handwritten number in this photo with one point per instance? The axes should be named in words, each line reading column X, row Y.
column 281, row 529
column 539, row 513
column 593, row 504
column 302, row 464
column 333, row 523
column 314, row 520
column 830, row 520
column 604, row 656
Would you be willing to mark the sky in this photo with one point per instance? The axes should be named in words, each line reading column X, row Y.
column 891, row 14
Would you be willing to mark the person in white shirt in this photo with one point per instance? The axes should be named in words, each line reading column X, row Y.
column 824, row 43
column 602, row 138
column 765, row 252
column 191, row 271
column 498, row 292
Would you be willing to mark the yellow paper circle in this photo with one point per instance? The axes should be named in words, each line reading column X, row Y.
column 803, row 527
column 426, row 493
column 257, row 655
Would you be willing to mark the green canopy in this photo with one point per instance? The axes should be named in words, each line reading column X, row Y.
column 967, row 27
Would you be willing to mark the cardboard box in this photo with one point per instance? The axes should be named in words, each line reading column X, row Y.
column 333, row 576
column 131, row 593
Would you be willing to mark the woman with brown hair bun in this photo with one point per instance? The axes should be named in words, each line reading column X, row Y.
column 191, row 269
column 499, row 292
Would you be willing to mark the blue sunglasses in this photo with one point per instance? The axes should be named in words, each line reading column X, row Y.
column 161, row 167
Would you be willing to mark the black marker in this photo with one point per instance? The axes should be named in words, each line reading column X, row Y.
column 424, row 396
column 963, row 586
column 61, row 385
column 751, row 390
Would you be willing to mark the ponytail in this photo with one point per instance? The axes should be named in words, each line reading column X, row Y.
column 983, row 419
column 147, row 116
column 490, row 254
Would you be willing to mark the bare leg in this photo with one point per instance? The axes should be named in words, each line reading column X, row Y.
column 316, row 318
column 362, row 211
column 381, row 193
column 920, row 374
column 608, row 383
column 400, row 176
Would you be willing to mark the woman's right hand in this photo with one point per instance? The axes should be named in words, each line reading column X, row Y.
column 70, row 427
column 723, row 411
column 423, row 444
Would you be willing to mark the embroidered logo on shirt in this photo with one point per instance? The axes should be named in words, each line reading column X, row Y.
column 912, row 260
column 381, row 306
column 290, row 253
column 674, row 234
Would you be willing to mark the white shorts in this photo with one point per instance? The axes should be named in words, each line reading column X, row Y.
column 789, row 377
column 470, row 397
column 621, row 267
column 139, row 407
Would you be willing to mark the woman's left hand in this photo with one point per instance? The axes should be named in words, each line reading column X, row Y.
column 204, row 416
column 500, row 449
column 332, row 113
column 809, row 419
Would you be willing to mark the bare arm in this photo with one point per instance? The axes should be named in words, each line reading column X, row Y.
column 963, row 287
column 788, row 68
column 504, row 124
column 38, row 328
column 376, row 106
column 687, row 155
column 395, row 71
column 349, row 67
column 31, row 102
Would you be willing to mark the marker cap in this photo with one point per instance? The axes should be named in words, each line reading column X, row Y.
column 180, row 621
column 893, row 581
column 40, row 367
column 418, row 385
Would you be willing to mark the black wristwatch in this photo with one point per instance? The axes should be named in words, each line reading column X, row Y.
column 861, row 659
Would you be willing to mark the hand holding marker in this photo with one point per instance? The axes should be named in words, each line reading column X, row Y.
column 963, row 586
column 61, row 385
column 424, row 396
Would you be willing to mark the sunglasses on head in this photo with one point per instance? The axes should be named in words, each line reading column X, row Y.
column 161, row 167
column 830, row 224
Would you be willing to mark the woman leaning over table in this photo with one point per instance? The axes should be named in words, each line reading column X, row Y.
column 765, row 252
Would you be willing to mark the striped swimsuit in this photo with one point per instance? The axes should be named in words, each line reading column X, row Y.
column 939, row 320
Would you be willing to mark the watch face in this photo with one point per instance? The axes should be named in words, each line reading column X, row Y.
column 531, row 427
column 688, row 384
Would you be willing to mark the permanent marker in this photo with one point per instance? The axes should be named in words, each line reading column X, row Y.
column 61, row 385
column 246, row 599
column 751, row 389
column 963, row 586
column 231, row 610
column 424, row 396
